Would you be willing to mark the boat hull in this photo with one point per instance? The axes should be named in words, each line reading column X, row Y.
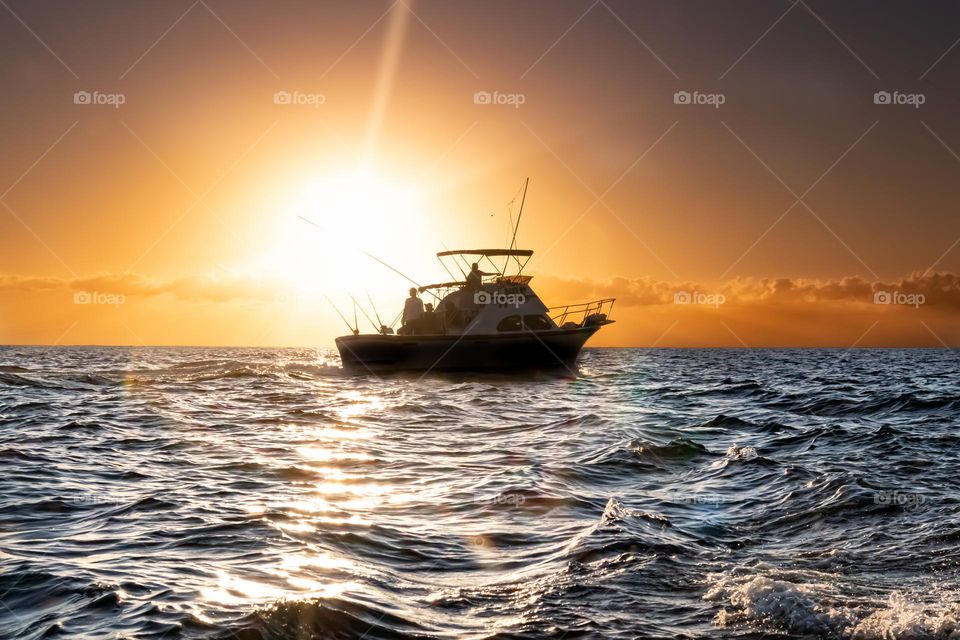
column 521, row 350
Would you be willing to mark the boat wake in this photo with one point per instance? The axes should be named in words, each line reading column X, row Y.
column 827, row 605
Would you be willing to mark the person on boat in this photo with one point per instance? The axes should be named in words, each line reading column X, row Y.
column 430, row 322
column 475, row 277
column 412, row 312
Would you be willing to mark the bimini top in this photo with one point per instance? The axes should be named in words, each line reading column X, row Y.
column 524, row 253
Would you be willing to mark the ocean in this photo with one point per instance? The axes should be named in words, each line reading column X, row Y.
column 266, row 493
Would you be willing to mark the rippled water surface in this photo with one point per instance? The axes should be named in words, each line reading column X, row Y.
column 254, row 493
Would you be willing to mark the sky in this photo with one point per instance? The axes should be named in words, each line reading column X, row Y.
column 736, row 173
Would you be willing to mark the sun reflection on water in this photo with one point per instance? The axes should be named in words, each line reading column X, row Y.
column 328, row 490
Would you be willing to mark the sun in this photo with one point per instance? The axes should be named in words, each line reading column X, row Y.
column 360, row 207
column 317, row 237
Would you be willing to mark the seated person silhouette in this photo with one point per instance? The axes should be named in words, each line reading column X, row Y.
column 430, row 322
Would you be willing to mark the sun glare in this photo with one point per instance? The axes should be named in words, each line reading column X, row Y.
column 318, row 235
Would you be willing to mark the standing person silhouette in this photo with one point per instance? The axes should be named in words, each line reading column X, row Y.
column 475, row 277
column 412, row 312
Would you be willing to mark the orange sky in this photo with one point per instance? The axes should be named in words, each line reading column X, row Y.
column 790, row 213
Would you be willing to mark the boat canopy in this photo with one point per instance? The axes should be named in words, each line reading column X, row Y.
column 519, row 257
column 441, row 285
column 522, row 253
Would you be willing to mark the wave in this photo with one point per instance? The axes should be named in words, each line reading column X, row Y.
column 841, row 406
column 639, row 455
column 478, row 506
column 821, row 607
column 330, row 618
column 622, row 530
column 66, row 382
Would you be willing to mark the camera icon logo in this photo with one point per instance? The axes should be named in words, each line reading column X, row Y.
column 82, row 297
column 682, row 297
column 482, row 297
column 282, row 97
column 682, row 97
column 882, row 297
column 82, row 97
column 882, row 97
column 482, row 97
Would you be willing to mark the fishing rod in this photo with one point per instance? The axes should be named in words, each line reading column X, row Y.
column 456, row 259
column 373, row 257
column 369, row 255
column 345, row 321
column 355, row 323
column 355, row 304
column 374, row 307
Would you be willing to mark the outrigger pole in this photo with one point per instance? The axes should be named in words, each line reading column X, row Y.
column 513, row 240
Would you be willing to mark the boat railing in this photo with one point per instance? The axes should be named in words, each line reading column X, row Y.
column 579, row 312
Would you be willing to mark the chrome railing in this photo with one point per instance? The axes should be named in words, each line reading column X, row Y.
column 578, row 313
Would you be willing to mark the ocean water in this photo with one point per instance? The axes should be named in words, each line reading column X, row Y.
column 256, row 493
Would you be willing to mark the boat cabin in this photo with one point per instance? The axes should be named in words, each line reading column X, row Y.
column 499, row 301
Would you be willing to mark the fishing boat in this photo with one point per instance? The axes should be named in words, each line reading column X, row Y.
column 487, row 323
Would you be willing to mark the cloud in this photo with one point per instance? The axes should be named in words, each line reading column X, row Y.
column 939, row 289
column 213, row 288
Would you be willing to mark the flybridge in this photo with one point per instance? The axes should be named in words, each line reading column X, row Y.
column 520, row 256
column 524, row 253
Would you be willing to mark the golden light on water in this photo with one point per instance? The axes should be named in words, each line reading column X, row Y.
column 319, row 454
column 232, row 590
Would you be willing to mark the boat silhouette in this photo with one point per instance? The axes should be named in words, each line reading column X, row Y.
column 487, row 323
